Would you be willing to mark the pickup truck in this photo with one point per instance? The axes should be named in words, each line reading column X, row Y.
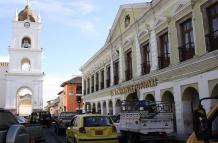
column 205, row 126
column 145, row 120
column 63, row 121
column 13, row 132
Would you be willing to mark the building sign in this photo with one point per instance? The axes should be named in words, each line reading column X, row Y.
column 134, row 87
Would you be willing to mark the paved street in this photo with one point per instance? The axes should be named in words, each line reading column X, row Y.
column 51, row 137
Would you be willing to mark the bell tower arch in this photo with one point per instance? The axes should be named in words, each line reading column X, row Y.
column 25, row 59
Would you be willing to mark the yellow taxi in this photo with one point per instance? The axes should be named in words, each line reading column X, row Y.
column 91, row 128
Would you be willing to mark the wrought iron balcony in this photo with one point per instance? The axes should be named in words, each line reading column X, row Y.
column 145, row 67
column 186, row 51
column 116, row 79
column 212, row 41
column 108, row 81
column 163, row 61
column 96, row 87
column 102, row 85
column 128, row 74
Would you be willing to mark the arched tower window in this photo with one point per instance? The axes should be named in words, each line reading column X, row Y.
column 26, row 42
column 127, row 20
column 25, row 65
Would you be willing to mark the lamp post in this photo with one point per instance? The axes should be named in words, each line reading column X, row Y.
column 78, row 99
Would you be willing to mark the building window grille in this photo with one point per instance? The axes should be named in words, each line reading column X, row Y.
column 187, row 48
column 164, row 56
column 97, row 82
column 212, row 36
column 116, row 72
column 145, row 57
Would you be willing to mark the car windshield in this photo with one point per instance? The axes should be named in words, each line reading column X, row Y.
column 93, row 121
column 67, row 114
column 6, row 120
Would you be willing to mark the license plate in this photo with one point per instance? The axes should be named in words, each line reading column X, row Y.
column 98, row 132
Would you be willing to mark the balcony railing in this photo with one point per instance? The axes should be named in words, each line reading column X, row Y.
column 163, row 61
column 116, row 79
column 212, row 41
column 128, row 74
column 145, row 67
column 108, row 81
column 92, row 89
column 96, row 87
column 186, row 51
column 102, row 85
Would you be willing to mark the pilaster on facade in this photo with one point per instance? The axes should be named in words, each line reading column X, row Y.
column 154, row 51
column 121, row 62
column 95, row 81
column 138, row 56
column 111, row 72
column 105, row 76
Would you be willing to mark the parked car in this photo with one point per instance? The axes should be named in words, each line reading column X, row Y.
column 63, row 121
column 91, row 128
column 22, row 120
column 10, row 128
column 13, row 132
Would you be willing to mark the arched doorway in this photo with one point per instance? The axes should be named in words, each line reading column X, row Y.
column 130, row 101
column 132, row 97
column 190, row 101
column 168, row 99
column 118, row 106
column 104, row 108
column 99, row 108
column 110, row 107
column 24, row 101
column 150, row 97
column 214, row 93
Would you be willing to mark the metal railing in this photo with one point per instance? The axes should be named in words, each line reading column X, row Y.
column 186, row 51
column 145, row 67
column 212, row 41
column 128, row 74
column 163, row 61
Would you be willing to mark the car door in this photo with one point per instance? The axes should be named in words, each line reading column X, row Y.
column 69, row 130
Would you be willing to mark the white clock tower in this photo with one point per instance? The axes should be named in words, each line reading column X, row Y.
column 24, row 78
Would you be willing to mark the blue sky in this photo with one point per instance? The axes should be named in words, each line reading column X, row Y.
column 72, row 31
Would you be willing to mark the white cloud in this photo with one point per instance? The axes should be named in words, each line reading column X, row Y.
column 70, row 13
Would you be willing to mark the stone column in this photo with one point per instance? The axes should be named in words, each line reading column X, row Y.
column 121, row 63
column 102, row 107
column 153, row 50
column 105, row 76
column 112, row 72
column 204, row 92
column 114, row 106
column 138, row 57
column 179, row 110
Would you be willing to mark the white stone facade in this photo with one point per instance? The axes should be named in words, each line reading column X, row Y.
column 24, row 68
column 182, row 82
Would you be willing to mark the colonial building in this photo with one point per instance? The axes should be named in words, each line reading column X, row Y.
column 72, row 91
column 21, row 77
column 163, row 50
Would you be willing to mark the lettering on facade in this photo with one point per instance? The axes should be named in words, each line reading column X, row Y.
column 132, row 88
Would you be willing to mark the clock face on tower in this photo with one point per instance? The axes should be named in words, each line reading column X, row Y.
column 26, row 24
